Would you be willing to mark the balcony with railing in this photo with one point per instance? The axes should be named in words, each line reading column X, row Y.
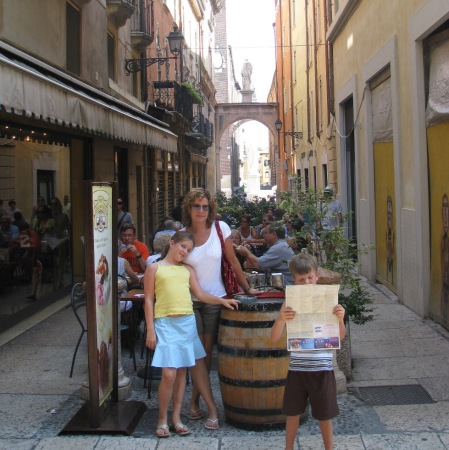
column 142, row 25
column 201, row 136
column 172, row 96
column 121, row 10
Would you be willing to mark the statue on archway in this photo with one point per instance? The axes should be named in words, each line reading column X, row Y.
column 247, row 71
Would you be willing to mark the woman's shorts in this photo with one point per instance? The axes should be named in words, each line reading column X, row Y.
column 319, row 387
column 207, row 317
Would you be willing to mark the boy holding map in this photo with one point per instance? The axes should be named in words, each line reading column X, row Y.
column 310, row 372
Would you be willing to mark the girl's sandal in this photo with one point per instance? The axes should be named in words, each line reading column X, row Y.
column 212, row 424
column 180, row 429
column 196, row 414
column 162, row 431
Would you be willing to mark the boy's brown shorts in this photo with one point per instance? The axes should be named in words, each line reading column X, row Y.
column 319, row 387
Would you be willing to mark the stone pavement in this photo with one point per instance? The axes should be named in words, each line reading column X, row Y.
column 37, row 397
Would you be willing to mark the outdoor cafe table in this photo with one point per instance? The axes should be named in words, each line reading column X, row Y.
column 136, row 295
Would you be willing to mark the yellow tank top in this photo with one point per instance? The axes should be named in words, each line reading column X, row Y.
column 172, row 291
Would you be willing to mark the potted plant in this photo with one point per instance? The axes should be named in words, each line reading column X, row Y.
column 197, row 98
column 335, row 252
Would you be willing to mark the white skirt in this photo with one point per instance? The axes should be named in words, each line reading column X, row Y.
column 178, row 344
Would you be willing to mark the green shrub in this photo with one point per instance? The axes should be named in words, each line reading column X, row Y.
column 334, row 250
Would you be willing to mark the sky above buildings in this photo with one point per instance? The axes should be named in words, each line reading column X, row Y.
column 251, row 36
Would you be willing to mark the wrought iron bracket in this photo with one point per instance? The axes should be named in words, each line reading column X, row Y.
column 136, row 65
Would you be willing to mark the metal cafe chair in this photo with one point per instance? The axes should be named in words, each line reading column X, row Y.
column 78, row 300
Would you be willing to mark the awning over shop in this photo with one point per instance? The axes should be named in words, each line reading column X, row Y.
column 194, row 157
column 41, row 94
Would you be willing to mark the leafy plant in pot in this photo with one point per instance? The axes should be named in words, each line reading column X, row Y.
column 333, row 249
column 197, row 98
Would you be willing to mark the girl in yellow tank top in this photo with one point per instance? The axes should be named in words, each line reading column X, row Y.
column 172, row 333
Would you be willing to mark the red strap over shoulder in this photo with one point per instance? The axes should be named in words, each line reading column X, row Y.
column 220, row 235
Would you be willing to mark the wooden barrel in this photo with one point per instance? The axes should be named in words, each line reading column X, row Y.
column 252, row 368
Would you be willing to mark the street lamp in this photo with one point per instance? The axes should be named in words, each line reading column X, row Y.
column 174, row 38
column 296, row 134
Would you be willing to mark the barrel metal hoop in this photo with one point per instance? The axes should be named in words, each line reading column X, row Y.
column 246, row 324
column 251, row 383
column 252, row 353
column 251, row 411
column 265, row 305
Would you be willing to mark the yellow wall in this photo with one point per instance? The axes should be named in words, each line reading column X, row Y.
column 385, row 216
column 355, row 46
column 438, row 149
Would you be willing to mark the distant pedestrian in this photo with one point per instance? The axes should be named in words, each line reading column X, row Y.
column 123, row 217
column 177, row 210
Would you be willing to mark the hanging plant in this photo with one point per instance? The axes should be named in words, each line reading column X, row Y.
column 193, row 93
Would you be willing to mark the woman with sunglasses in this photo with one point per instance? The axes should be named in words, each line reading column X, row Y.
column 247, row 232
column 198, row 216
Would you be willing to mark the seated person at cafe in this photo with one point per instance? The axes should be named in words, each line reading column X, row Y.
column 135, row 252
column 20, row 222
column 44, row 223
column 8, row 232
column 30, row 243
column 159, row 243
column 124, row 269
column 278, row 255
column 246, row 231
column 236, row 239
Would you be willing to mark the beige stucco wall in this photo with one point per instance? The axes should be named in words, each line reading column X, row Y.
column 355, row 46
column 45, row 38
column 377, row 35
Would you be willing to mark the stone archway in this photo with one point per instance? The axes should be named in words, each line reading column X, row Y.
column 266, row 113
column 228, row 113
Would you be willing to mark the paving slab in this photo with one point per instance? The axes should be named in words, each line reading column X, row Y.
column 68, row 443
column 189, row 443
column 405, row 441
column 437, row 387
column 255, row 443
column 410, row 346
column 18, row 444
column 128, row 443
column 431, row 417
column 345, row 442
column 401, row 367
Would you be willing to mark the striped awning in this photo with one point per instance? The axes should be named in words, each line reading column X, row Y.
column 52, row 96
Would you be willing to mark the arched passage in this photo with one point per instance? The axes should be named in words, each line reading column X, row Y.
column 227, row 114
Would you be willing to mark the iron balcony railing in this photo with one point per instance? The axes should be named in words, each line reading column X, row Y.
column 172, row 96
column 142, row 21
column 203, row 126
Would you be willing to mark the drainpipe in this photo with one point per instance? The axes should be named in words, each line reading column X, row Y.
column 329, row 63
column 293, row 142
column 315, row 52
column 307, row 72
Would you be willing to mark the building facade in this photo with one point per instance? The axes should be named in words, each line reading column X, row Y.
column 71, row 110
column 390, row 87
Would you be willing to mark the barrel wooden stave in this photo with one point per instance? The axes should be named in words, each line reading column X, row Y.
column 252, row 368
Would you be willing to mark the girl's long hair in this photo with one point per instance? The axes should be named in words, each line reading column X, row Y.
column 179, row 236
